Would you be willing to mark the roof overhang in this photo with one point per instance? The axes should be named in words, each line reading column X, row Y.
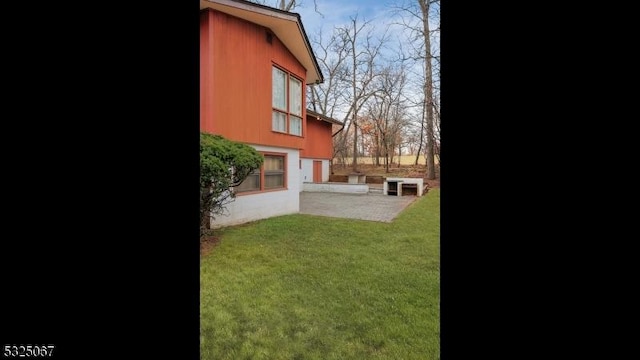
column 287, row 26
column 322, row 117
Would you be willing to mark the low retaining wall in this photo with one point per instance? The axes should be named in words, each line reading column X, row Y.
column 371, row 179
column 338, row 178
column 336, row 187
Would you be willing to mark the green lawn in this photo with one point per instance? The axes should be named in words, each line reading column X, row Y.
column 308, row 287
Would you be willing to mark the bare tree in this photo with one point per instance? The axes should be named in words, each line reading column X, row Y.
column 388, row 109
column 428, row 89
column 417, row 21
column 331, row 95
column 347, row 57
column 363, row 55
column 436, row 112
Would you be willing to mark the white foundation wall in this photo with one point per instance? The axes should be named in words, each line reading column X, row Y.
column 246, row 208
column 307, row 172
column 325, row 170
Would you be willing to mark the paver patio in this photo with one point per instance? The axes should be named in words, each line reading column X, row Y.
column 373, row 207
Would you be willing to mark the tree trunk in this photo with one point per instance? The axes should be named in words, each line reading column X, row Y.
column 421, row 136
column 428, row 91
column 355, row 109
column 386, row 156
column 377, row 146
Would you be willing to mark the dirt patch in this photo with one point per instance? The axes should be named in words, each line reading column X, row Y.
column 338, row 178
column 433, row 184
column 207, row 243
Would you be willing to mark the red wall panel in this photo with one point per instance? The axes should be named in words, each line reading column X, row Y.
column 235, row 80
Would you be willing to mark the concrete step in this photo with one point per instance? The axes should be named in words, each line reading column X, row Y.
column 373, row 190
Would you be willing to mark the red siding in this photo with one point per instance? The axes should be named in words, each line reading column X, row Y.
column 235, row 80
column 319, row 144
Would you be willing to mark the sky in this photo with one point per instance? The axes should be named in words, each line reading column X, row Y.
column 336, row 13
column 339, row 12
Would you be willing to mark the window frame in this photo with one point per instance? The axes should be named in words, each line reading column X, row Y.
column 263, row 189
column 288, row 112
column 252, row 174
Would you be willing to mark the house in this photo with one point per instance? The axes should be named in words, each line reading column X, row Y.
column 255, row 64
column 318, row 149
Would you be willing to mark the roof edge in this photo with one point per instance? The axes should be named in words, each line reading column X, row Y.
column 323, row 117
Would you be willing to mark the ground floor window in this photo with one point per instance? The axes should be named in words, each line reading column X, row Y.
column 251, row 183
column 271, row 176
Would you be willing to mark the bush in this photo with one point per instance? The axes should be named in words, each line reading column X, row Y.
column 223, row 165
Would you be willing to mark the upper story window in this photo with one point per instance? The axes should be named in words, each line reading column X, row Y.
column 286, row 103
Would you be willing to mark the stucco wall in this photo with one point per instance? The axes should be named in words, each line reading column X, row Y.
column 307, row 171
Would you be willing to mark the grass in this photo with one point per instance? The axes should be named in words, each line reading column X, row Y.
column 307, row 287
